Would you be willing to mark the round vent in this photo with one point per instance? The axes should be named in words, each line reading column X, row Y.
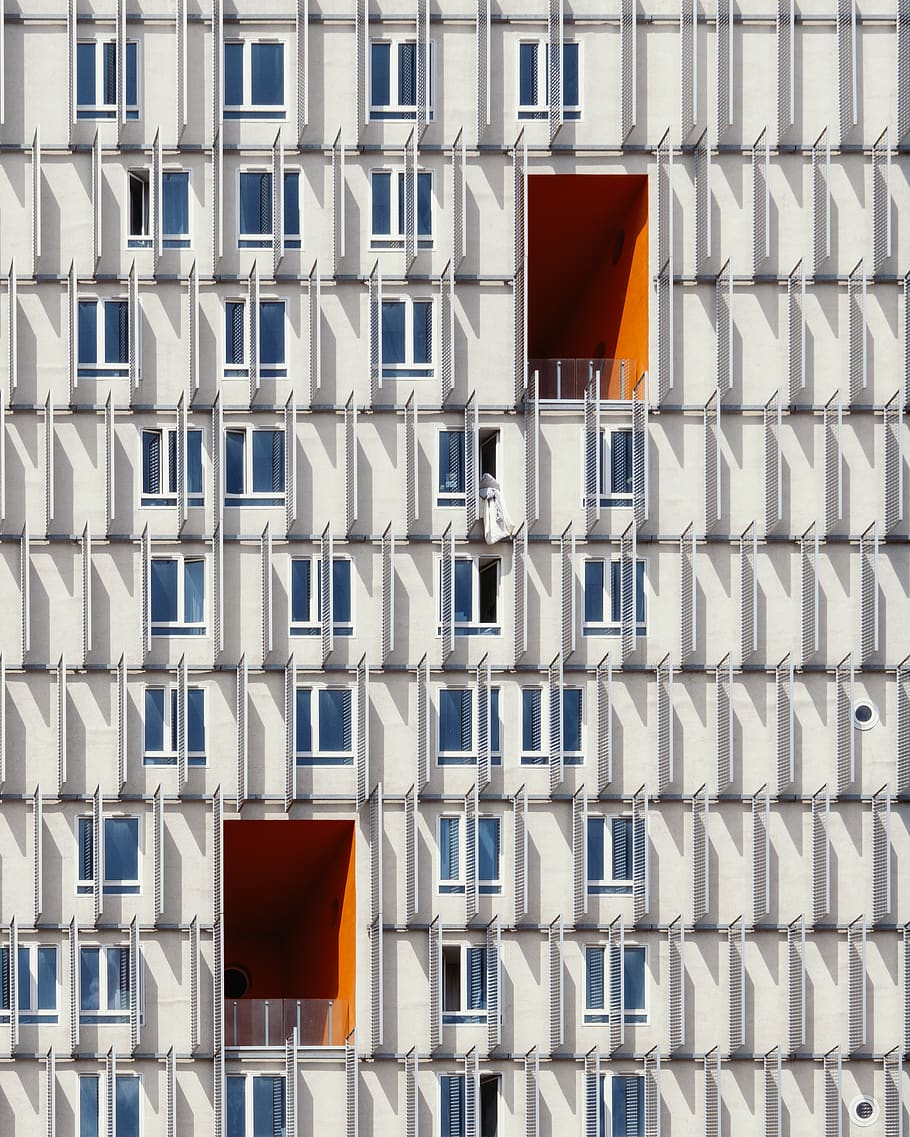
column 236, row 982
column 864, row 1110
column 865, row 714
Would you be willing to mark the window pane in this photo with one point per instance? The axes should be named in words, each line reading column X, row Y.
column 451, row 461
column 88, row 1106
column 255, row 203
column 452, row 1105
column 616, row 591
column 621, row 461
column 116, row 331
column 633, row 972
column 595, row 848
column 154, row 719
column 570, row 75
column 85, row 74
column 382, row 203
column 193, row 591
column 268, row 461
column 172, row 461
column 88, row 979
column 380, row 56
column 571, row 719
column 628, row 1106
column 341, row 591
column 407, row 74
column 175, row 217
column 448, row 848
column 88, row 331
column 594, row 592
column 47, row 979
column 477, row 979
column 639, row 592
column 300, row 591
column 195, row 720
column 335, row 721
column 423, row 331
column 530, row 720
column 234, row 447
column 393, row 332
column 164, row 591
column 24, row 979
column 464, row 578
column 495, row 734
column 527, row 74
column 236, row 1107
column 424, row 205
column 267, row 74
column 622, row 848
column 118, row 979
column 194, row 461
column 233, row 338
column 304, row 721
column 292, row 205
column 151, row 462
column 233, row 74
column 271, row 332
column 268, row 1106
column 127, row 1106
column 488, row 848
column 594, row 978
column 121, row 848
column 454, row 720
column 86, row 849
column 132, row 74
column 109, row 73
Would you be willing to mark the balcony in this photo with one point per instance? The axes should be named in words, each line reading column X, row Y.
column 270, row 1022
column 567, row 379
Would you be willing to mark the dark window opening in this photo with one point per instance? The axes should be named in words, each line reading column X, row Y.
column 489, row 444
column 451, row 979
column 488, row 589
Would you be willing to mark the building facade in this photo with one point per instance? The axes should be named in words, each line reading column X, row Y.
column 339, row 798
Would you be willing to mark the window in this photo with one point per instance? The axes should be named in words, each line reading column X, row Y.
column 253, row 467
column 104, row 338
column 457, row 742
column 601, row 575
column 450, row 487
column 325, row 727
column 598, row 980
column 534, row 80
column 178, row 596
column 388, row 204
column 104, row 984
column 175, row 213
column 627, row 1106
column 37, row 984
column 159, row 467
column 253, row 80
column 609, row 854
column 96, row 80
column 126, row 1106
column 393, row 80
column 255, row 1105
column 616, row 470
column 121, row 855
column 407, row 339
column 306, row 601
column 452, row 855
column 161, row 726
column 270, row 339
column 454, row 1120
column 533, row 751
column 254, row 222
column 464, row 984
column 476, row 596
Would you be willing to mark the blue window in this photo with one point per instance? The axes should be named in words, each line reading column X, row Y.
column 160, row 467
column 495, row 728
column 610, row 854
column 407, row 339
column 88, row 1105
column 533, row 81
column 254, row 467
column 451, row 845
column 175, row 209
column 103, row 330
column 306, row 597
column 464, row 984
column 393, row 80
column 253, row 80
column 177, row 596
column 120, row 855
column 572, row 718
column 451, row 482
column 532, row 751
column 161, row 723
column 476, row 596
column 96, row 80
column 255, row 212
column 627, row 1101
column 139, row 211
column 255, row 1105
column 533, row 736
column 36, row 984
column 452, row 1100
column 126, row 1106
column 104, row 984
column 271, row 339
column 631, row 962
column 388, row 209
column 456, row 725
column 324, row 726
column 603, row 585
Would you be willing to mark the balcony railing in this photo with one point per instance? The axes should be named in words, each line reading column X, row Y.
column 567, row 379
column 270, row 1022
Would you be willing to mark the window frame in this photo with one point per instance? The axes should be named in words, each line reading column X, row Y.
column 168, row 757
column 395, row 238
column 101, row 367
column 483, row 1080
column 446, row 499
column 463, row 628
column 396, row 111
column 101, row 111
column 30, row 1015
column 465, row 1014
column 605, row 1112
column 121, row 886
column 541, row 757
column 313, row 625
column 107, row 1015
column 94, row 1128
column 175, row 629
column 469, row 757
column 608, row 497
column 264, row 112
column 571, row 112
column 241, row 370
column 320, row 756
column 265, row 239
column 249, row 1098
column 167, row 499
column 612, row 884
column 486, row 886
column 408, row 368
column 251, row 498
column 613, row 627
column 598, row 1016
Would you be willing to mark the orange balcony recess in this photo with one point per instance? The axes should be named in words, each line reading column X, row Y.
column 587, row 282
column 289, row 932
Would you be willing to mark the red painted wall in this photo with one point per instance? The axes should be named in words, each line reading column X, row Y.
column 588, row 285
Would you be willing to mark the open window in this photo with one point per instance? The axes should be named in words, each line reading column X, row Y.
column 464, row 984
column 453, row 1119
column 476, row 596
column 488, row 450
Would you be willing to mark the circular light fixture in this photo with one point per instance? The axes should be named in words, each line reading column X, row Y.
column 865, row 714
column 864, row 1110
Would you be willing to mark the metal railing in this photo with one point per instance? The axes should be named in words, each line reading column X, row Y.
column 568, row 378
column 270, row 1022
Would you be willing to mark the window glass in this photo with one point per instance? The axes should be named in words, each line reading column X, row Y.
column 570, row 75
column 175, row 192
column 255, row 203
column 292, row 205
column 488, row 848
column 132, row 74
column 596, row 848
column 233, row 74
column 449, row 868
column 234, row 346
column 628, row 1106
column 154, row 719
column 407, row 74
column 234, row 451
column 195, row 720
column 530, row 719
column 267, row 74
column 621, row 836
column 116, row 331
column 382, row 202
column 594, row 592
column 88, row 331
column 464, row 580
column 527, row 71
column 127, row 1106
column 303, row 716
column 621, row 461
column 423, row 331
column 121, row 848
column 455, row 720
column 571, row 719
column 594, row 978
column 495, row 735
column 193, row 591
column 118, row 979
column 380, row 57
column 477, row 978
column 452, row 1105
column 341, row 591
column 88, row 1106
column 424, row 205
column 236, row 1106
column 451, row 461
column 268, row 461
column 393, row 350
column 85, row 74
column 47, row 978
column 271, row 332
column 89, row 993
column 334, row 720
column 109, row 72
column 633, row 973
column 193, row 462
column 164, row 591
column 300, row 591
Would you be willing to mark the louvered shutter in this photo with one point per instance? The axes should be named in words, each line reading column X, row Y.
column 580, row 852
column 783, row 684
column 761, row 854
column 604, row 678
column 520, row 817
column 796, row 327
column 640, row 855
column 470, row 853
column 723, row 330
column 628, row 53
column 703, row 187
column 712, row 461
column 434, row 972
column 736, row 947
column 411, row 454
column 676, row 975
column 616, row 946
column 843, row 712
column 494, row 984
column 665, row 756
column 881, row 854
column 723, row 686
column 520, row 278
column 447, row 592
column 771, row 1071
column 796, row 983
column 556, row 979
column 761, row 202
column 701, row 854
column 423, row 723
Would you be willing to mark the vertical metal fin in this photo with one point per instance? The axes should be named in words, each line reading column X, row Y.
column 857, row 354
column 447, row 330
column 881, row 854
column 628, row 57
column 723, row 686
column 555, row 698
column 809, row 593
column 387, row 600
column 494, row 984
column 761, row 202
column 326, row 593
column 902, row 732
column 712, row 461
column 701, row 855
column 834, row 463
column 676, row 984
column 868, row 594
column 640, row 855
column 411, row 463
column 411, row 894
column 881, row 201
column 580, row 853
column 665, row 716
column 796, row 983
column 554, row 66
column 846, row 66
column 688, row 68
column 820, row 813
column 771, row 1071
column 736, row 950
column 314, row 304
column 843, row 712
column 761, row 854
column 786, row 97
column 856, row 984
column 821, row 201
column 786, row 757
column 158, row 851
column 434, row 973
column 796, row 331
column 423, row 723
column 520, row 819
column 703, row 243
column 893, row 450
column 362, row 770
column 350, row 462
column 688, row 589
column 556, row 981
column 604, row 678
column 532, row 449
column 833, row 1094
column 723, row 330
column 290, row 731
column 519, row 281
column 748, row 591
column 447, row 592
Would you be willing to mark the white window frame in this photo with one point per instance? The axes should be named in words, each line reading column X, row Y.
column 485, row 886
column 105, row 112
column 101, row 368
column 540, row 111
column 178, row 240
column 253, row 498
column 168, row 757
column 607, row 498
column 119, row 887
column 605, row 1112
column 98, row 1117
column 30, row 1015
column 234, row 112
column 266, row 370
column 320, row 757
column 534, row 757
column 165, row 499
column 248, row 1095
column 613, row 627
column 473, row 627
column 395, row 239
column 106, row 1015
column 139, row 240
column 541, row 757
column 265, row 240
column 611, row 885
column 408, row 369
column 464, row 1014
column 313, row 625
column 595, row 1016
column 456, row 757
column 445, row 499
column 180, row 627
column 398, row 111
